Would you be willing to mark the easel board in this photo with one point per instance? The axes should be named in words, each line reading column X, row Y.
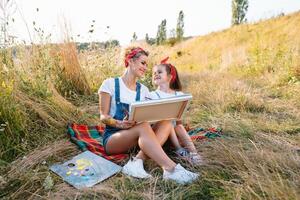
column 159, row 109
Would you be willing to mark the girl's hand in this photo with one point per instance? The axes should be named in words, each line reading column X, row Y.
column 125, row 124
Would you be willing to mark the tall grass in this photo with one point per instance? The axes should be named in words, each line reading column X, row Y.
column 32, row 101
column 100, row 64
column 69, row 75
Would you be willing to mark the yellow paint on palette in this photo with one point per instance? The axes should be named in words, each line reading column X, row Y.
column 83, row 163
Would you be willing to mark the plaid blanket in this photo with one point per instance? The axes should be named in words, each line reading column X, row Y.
column 90, row 138
column 201, row 133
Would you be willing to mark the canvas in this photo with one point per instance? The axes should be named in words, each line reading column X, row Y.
column 160, row 109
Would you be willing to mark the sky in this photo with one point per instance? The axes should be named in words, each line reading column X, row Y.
column 119, row 19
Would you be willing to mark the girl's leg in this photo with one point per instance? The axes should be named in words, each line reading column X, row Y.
column 194, row 157
column 174, row 140
column 181, row 152
column 143, row 135
column 185, row 138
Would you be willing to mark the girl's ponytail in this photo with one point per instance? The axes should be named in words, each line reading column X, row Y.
column 175, row 83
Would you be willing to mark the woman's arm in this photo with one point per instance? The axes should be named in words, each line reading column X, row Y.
column 104, row 104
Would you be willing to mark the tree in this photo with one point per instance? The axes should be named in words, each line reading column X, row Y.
column 180, row 26
column 149, row 40
column 239, row 10
column 158, row 35
column 161, row 32
column 111, row 43
column 134, row 37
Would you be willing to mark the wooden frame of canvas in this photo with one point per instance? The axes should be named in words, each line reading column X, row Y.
column 160, row 109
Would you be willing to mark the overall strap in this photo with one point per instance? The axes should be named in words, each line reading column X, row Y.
column 157, row 94
column 138, row 91
column 117, row 90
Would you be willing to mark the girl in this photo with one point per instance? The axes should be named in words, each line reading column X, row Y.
column 120, row 135
column 166, row 78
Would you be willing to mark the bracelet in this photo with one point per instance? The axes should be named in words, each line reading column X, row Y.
column 178, row 122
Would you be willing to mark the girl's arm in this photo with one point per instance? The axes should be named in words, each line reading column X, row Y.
column 104, row 104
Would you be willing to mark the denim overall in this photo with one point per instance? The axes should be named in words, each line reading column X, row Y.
column 121, row 110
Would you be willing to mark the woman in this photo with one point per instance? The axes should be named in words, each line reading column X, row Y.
column 120, row 134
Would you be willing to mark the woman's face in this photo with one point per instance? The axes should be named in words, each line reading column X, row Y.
column 160, row 75
column 139, row 66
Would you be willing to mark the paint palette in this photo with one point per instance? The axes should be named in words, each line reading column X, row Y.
column 86, row 170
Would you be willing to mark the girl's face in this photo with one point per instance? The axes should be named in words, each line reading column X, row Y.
column 139, row 66
column 160, row 76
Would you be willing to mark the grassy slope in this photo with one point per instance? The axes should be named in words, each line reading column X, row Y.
column 244, row 79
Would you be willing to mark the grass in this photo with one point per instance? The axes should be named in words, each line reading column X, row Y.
column 242, row 80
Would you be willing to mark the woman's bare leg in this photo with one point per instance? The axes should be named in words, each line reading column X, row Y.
column 185, row 138
column 162, row 131
column 142, row 134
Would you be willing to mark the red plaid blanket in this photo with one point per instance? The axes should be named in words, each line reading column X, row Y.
column 90, row 138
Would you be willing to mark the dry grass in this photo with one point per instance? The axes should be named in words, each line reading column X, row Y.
column 100, row 64
column 258, row 170
column 70, row 69
column 61, row 149
column 248, row 163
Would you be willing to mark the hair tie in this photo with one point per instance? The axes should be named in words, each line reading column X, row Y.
column 172, row 68
column 164, row 61
column 132, row 53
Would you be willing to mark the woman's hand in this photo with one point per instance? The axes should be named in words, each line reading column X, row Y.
column 122, row 124
column 108, row 120
column 125, row 124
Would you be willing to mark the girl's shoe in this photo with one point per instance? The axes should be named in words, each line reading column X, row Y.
column 182, row 153
column 195, row 159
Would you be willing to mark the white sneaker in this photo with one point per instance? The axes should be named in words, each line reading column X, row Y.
column 180, row 175
column 135, row 168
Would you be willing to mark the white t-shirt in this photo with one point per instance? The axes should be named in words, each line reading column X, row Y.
column 126, row 95
column 162, row 94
